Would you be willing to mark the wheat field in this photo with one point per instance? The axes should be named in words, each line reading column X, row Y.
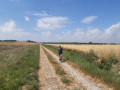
column 102, row 51
column 16, row 43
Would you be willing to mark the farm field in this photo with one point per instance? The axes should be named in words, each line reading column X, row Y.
column 18, row 66
column 26, row 66
column 102, row 51
column 108, row 69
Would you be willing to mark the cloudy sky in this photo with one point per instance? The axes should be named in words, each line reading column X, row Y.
column 60, row 20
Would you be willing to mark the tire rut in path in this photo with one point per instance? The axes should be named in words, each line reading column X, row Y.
column 47, row 77
column 79, row 77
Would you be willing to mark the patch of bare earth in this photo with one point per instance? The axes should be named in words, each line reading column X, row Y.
column 80, row 77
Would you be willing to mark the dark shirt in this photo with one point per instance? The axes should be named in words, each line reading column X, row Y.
column 60, row 51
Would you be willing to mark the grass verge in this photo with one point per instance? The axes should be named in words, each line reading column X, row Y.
column 18, row 68
column 58, row 69
column 85, row 62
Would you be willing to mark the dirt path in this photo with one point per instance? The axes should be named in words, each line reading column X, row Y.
column 79, row 77
column 47, row 77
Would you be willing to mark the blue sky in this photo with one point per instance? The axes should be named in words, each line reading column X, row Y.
column 60, row 20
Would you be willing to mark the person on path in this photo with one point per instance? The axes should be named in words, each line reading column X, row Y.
column 60, row 53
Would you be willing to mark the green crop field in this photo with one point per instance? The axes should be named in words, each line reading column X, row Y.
column 18, row 66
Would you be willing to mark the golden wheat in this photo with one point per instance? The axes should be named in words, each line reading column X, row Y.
column 103, row 51
column 16, row 43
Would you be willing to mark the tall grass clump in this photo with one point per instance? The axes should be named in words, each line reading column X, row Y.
column 88, row 63
column 18, row 68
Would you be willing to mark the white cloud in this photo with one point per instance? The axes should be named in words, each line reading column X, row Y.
column 9, row 31
column 89, row 35
column 27, row 18
column 9, row 27
column 113, row 29
column 79, row 33
column 46, row 34
column 113, row 33
column 65, row 37
column 51, row 23
column 109, row 35
column 43, row 14
column 93, row 32
column 89, row 19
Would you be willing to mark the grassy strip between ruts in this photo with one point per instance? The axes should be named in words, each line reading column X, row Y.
column 58, row 69
column 19, row 68
column 90, row 67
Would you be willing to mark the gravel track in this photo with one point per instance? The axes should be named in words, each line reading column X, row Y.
column 48, row 78
column 78, row 76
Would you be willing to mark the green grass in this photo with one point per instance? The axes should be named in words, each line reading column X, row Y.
column 19, row 68
column 86, row 62
column 58, row 69
column 65, row 80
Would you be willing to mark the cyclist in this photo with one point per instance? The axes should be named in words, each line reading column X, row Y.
column 60, row 53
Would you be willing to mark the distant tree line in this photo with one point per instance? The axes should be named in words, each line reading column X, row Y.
column 8, row 40
column 16, row 41
column 30, row 41
column 91, row 43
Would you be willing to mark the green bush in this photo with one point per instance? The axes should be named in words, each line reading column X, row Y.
column 107, row 63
